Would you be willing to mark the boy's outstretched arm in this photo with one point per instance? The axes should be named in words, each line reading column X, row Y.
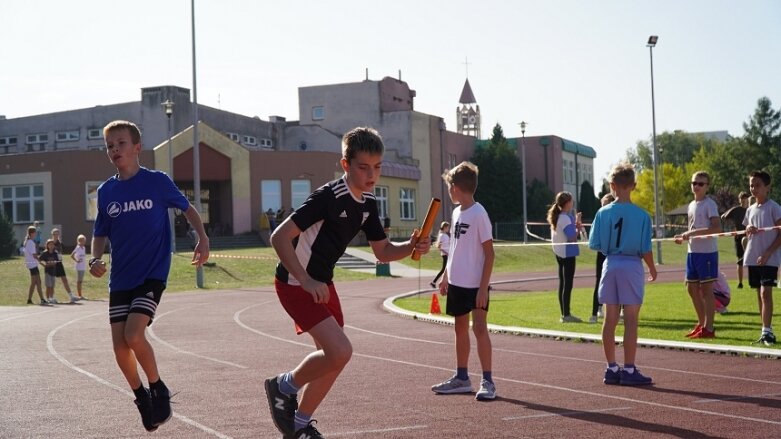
column 201, row 252
column 282, row 241
column 386, row 250
column 649, row 261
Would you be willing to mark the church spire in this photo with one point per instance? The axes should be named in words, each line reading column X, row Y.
column 467, row 115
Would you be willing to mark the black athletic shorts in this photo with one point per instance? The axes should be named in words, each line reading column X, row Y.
column 762, row 275
column 462, row 301
column 142, row 299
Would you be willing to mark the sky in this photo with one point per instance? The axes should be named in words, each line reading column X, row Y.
column 575, row 69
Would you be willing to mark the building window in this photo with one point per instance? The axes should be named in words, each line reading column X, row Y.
column 407, row 203
column 266, row 143
column 8, row 141
column 233, row 136
column 299, row 190
column 318, row 113
column 271, row 195
column 381, row 194
column 91, row 199
column 68, row 136
column 37, row 138
column 94, row 133
column 22, row 203
column 250, row 140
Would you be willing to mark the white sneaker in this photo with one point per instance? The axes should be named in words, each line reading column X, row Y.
column 599, row 313
column 74, row 299
column 53, row 300
column 487, row 391
column 593, row 319
column 453, row 385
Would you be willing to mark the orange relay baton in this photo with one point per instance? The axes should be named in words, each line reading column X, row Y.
column 428, row 222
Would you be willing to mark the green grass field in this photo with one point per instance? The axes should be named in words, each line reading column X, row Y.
column 667, row 313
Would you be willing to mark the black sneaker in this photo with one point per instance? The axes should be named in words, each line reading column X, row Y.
column 282, row 406
column 144, row 405
column 767, row 339
column 308, row 432
column 29, row 301
column 161, row 405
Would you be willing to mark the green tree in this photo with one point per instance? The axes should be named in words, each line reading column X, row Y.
column 763, row 140
column 500, row 183
column 588, row 203
column 539, row 199
column 726, row 164
column 675, row 189
column 677, row 148
column 7, row 242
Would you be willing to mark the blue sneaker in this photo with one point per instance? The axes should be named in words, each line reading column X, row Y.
column 633, row 379
column 612, row 377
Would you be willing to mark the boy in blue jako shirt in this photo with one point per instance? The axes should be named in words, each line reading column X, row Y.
column 762, row 256
column 133, row 215
column 622, row 232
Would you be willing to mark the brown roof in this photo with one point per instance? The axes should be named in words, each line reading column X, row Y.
column 467, row 97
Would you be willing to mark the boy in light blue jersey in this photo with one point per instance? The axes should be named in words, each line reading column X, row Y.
column 622, row 232
column 133, row 214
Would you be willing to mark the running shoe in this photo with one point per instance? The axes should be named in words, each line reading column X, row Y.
column 612, row 377
column 453, row 385
column 29, row 301
column 161, row 405
column 144, row 405
column 633, row 379
column 487, row 391
column 704, row 333
column 694, row 331
column 283, row 408
column 308, row 432
column 593, row 319
column 570, row 319
column 767, row 339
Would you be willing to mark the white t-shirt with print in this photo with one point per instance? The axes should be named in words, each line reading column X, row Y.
column 444, row 243
column 470, row 229
column 29, row 250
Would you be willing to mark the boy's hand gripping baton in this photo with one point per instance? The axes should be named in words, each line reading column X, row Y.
column 428, row 222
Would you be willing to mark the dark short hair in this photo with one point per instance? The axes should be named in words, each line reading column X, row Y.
column 361, row 139
column 762, row 175
column 135, row 133
column 463, row 176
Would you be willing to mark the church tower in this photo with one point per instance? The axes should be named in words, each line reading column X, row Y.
column 468, row 117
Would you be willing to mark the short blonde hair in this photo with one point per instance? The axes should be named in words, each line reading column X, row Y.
column 80, row 237
column 622, row 175
column 135, row 133
column 463, row 176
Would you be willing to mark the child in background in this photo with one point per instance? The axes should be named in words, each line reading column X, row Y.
column 564, row 229
column 59, row 269
column 596, row 309
column 79, row 254
column 622, row 231
column 443, row 244
column 762, row 256
column 31, row 261
column 49, row 258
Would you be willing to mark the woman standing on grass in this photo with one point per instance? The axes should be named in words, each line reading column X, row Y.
column 564, row 229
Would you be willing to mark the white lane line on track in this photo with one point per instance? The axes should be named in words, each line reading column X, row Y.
column 382, row 430
column 562, row 357
column 29, row 314
column 568, row 413
column 68, row 364
column 182, row 351
column 737, row 398
column 237, row 319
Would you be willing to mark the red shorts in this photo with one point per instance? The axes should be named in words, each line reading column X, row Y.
column 302, row 308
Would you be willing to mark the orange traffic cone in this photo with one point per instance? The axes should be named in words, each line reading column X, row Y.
column 434, row 309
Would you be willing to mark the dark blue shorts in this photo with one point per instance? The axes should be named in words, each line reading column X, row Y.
column 34, row 271
column 702, row 267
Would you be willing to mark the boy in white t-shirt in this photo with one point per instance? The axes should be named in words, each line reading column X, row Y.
column 762, row 256
column 79, row 254
column 466, row 281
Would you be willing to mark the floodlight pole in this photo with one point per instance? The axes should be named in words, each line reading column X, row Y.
column 196, row 148
column 168, row 106
column 523, row 171
column 657, row 212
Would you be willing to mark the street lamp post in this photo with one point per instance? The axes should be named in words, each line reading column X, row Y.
column 657, row 212
column 523, row 171
column 168, row 106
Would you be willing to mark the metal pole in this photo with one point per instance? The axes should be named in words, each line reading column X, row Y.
column 196, row 142
column 657, row 211
column 171, row 218
column 523, row 170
